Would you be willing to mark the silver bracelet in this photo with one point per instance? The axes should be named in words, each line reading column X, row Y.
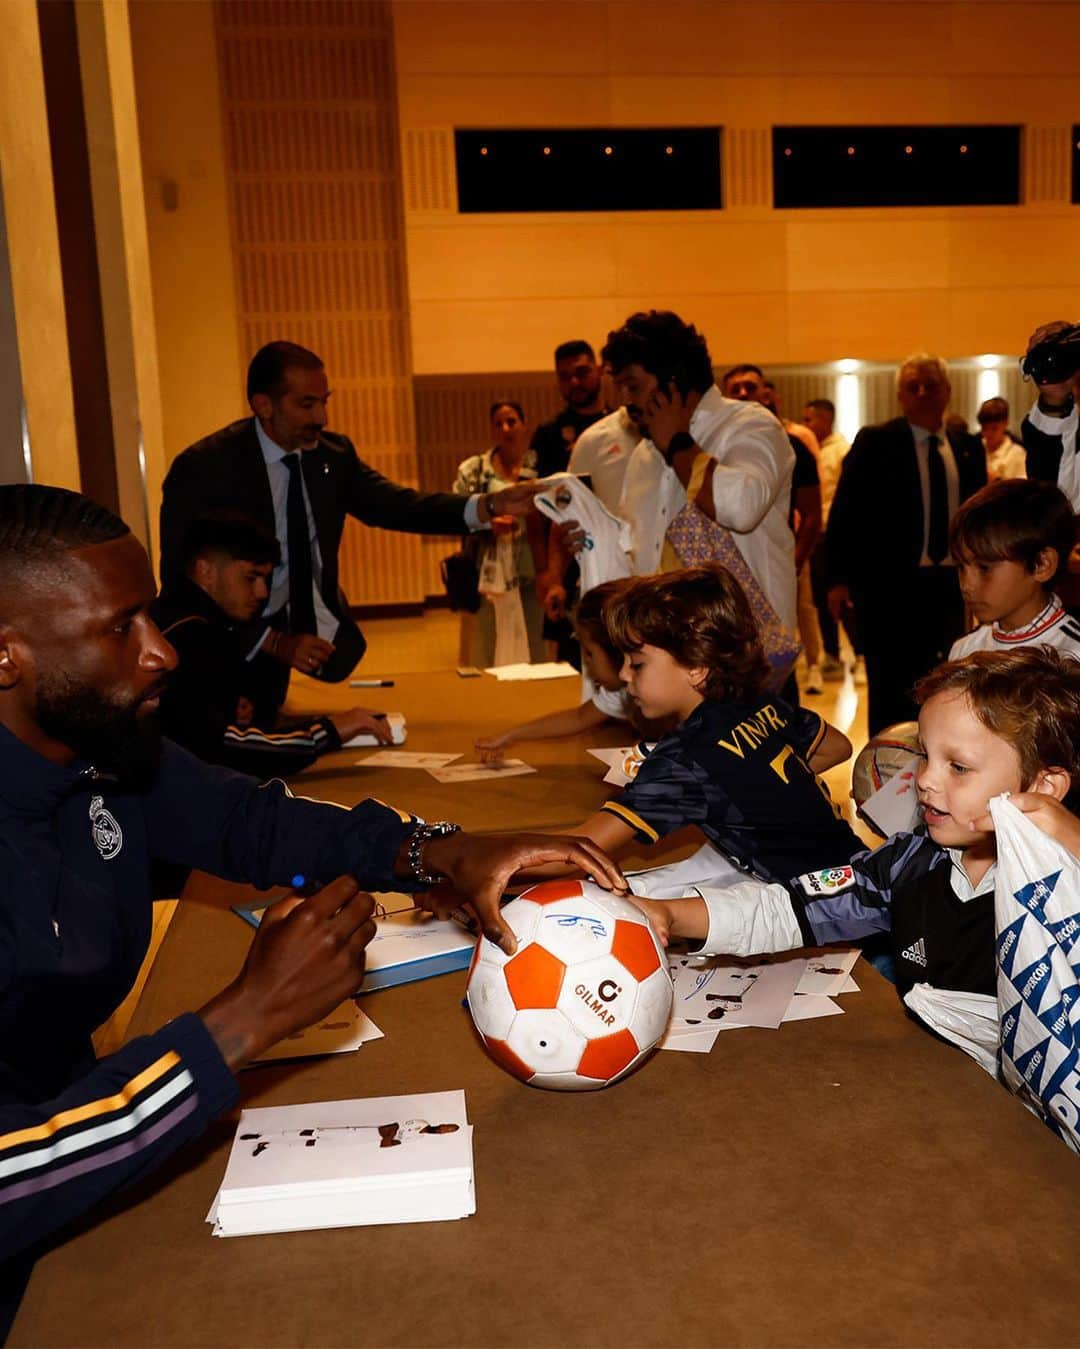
column 418, row 841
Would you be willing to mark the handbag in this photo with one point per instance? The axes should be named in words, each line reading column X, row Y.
column 462, row 581
column 697, row 540
column 460, row 574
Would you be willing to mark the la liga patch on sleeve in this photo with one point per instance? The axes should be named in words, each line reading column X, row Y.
column 827, row 882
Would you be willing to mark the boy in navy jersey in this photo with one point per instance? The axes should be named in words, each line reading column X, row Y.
column 741, row 763
column 991, row 723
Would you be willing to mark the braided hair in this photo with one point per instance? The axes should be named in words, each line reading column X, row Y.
column 39, row 524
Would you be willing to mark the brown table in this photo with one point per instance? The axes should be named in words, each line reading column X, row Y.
column 846, row 1181
column 446, row 713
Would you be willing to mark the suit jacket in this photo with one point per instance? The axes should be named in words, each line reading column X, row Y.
column 226, row 471
column 875, row 535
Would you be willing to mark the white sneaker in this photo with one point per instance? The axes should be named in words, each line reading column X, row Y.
column 860, row 673
column 814, row 682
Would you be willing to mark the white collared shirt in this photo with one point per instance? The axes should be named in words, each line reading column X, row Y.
column 1009, row 460
column 952, row 482
column 603, row 451
column 751, row 493
column 830, row 461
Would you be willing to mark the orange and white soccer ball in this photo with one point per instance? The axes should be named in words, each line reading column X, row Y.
column 585, row 997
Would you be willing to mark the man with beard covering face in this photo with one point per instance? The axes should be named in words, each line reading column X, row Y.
column 736, row 453
column 89, row 796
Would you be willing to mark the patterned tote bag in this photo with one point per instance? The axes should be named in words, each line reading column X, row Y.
column 696, row 540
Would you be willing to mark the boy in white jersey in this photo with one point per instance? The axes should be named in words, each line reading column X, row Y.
column 1011, row 543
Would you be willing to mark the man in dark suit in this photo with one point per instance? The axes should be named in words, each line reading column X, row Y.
column 888, row 538
column 299, row 481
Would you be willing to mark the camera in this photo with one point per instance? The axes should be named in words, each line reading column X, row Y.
column 1056, row 360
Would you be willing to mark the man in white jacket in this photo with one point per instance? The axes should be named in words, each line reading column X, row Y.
column 664, row 376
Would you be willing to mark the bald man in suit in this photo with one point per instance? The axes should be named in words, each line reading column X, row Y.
column 887, row 550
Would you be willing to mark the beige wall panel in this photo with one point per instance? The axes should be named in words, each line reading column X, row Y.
column 501, row 99
column 870, row 325
column 872, row 37
column 1029, row 98
column 559, row 37
column 727, row 95
column 999, row 319
column 314, row 175
column 737, row 327
column 513, row 258
column 1014, row 38
column 176, row 83
column 854, row 97
column 34, row 250
column 477, row 335
column 691, row 257
column 1011, row 249
column 868, row 250
column 695, row 37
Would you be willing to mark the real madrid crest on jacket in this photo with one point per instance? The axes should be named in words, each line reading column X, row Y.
column 107, row 834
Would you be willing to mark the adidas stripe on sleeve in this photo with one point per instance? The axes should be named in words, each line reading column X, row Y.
column 59, row 1158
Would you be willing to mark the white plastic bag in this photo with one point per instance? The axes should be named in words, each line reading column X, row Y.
column 967, row 1020
column 498, row 584
column 1037, row 909
column 511, row 635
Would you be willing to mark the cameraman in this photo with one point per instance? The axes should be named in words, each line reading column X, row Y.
column 1049, row 429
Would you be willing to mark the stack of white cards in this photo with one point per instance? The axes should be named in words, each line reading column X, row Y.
column 714, row 993
column 549, row 669
column 341, row 1031
column 388, row 1159
column 395, row 721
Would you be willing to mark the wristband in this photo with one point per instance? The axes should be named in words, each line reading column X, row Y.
column 418, row 841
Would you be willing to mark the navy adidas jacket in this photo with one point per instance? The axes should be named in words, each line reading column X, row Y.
column 75, row 922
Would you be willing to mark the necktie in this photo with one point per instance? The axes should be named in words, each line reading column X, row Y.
column 301, row 599
column 937, row 534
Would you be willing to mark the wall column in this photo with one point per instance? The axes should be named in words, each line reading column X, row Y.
column 123, row 261
column 41, row 362
column 310, row 114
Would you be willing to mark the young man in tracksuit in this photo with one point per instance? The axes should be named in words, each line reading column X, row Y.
column 89, row 795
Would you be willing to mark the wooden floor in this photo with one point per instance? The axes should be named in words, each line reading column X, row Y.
column 431, row 642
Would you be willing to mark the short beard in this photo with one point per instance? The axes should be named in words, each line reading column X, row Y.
column 114, row 739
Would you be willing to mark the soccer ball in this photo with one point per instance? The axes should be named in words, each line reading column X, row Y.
column 895, row 749
column 584, row 998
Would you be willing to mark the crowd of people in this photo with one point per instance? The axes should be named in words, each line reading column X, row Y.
column 698, row 533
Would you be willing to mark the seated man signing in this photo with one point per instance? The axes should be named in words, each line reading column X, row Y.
column 228, row 559
column 90, row 795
